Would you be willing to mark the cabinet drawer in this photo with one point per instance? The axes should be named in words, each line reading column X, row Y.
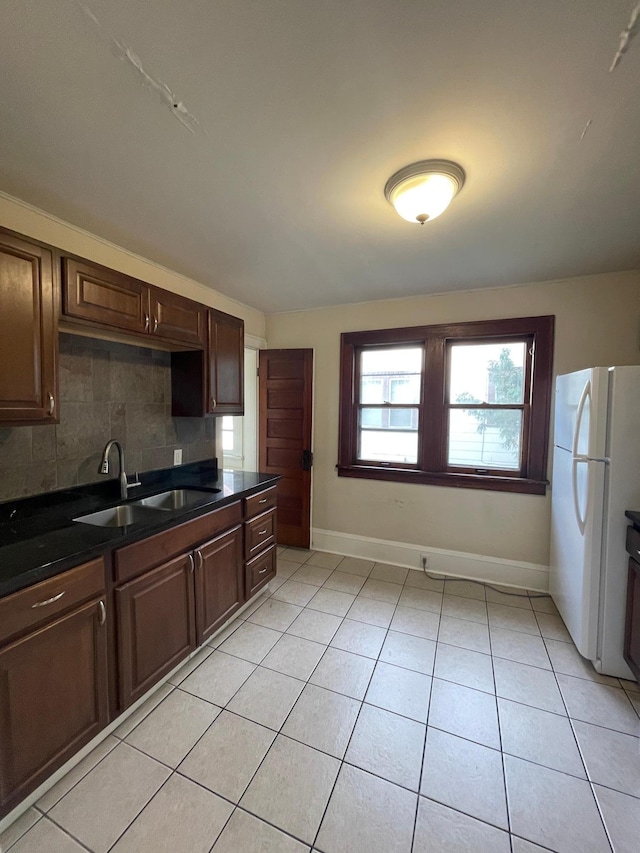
column 39, row 603
column 137, row 558
column 259, row 533
column 260, row 570
column 633, row 543
column 260, row 502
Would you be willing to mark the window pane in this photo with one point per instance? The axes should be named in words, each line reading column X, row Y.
column 403, row 418
column 487, row 373
column 388, row 446
column 481, row 438
column 372, row 417
column 390, row 375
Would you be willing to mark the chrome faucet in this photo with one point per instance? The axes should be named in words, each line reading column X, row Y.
column 104, row 467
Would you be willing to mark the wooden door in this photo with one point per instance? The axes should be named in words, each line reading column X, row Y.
column 155, row 625
column 53, row 698
column 219, row 581
column 99, row 295
column 226, row 364
column 174, row 318
column 285, row 378
column 28, row 333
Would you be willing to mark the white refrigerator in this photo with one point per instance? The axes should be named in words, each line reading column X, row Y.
column 596, row 477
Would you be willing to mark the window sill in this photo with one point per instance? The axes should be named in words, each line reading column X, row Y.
column 460, row 481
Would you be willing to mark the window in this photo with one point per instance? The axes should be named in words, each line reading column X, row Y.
column 462, row 405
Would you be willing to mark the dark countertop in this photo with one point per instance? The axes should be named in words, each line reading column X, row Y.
column 39, row 539
column 634, row 515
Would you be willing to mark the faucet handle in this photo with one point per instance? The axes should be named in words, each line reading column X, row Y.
column 135, row 481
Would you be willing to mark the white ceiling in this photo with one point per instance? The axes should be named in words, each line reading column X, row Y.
column 304, row 108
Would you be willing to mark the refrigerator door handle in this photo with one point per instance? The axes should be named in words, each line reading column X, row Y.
column 586, row 395
column 574, row 488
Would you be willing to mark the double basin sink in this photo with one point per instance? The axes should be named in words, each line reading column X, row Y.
column 140, row 510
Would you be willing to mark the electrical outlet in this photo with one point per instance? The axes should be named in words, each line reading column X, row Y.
column 424, row 561
column 177, row 456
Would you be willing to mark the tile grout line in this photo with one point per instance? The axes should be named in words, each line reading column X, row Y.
column 580, row 752
column 362, row 703
column 343, row 761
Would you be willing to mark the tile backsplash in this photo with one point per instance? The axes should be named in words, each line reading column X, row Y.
column 107, row 390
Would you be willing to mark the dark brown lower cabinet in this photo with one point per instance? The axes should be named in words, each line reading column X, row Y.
column 53, row 698
column 219, row 581
column 155, row 625
column 632, row 630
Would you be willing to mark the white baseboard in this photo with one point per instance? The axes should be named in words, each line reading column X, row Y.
column 532, row 576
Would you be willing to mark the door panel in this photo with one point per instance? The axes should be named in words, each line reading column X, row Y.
column 53, row 699
column 156, row 625
column 219, row 581
column 28, row 333
column 104, row 296
column 576, row 534
column 177, row 319
column 286, row 378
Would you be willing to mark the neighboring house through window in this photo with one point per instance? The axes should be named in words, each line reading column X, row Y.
column 458, row 405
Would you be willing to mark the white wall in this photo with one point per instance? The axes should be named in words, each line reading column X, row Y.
column 597, row 323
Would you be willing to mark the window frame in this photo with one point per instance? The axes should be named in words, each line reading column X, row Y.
column 432, row 466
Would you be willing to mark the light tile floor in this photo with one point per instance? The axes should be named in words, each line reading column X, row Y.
column 364, row 708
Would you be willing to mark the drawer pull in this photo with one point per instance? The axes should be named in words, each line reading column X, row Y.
column 262, row 571
column 48, row 600
column 102, row 613
column 261, row 532
column 200, row 558
column 263, row 501
column 192, row 565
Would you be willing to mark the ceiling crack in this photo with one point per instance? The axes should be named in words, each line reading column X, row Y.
column 585, row 129
column 170, row 100
column 627, row 36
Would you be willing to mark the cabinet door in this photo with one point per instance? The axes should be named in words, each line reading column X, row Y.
column 632, row 627
column 53, row 698
column 219, row 581
column 28, row 333
column 99, row 295
column 155, row 626
column 174, row 318
column 226, row 364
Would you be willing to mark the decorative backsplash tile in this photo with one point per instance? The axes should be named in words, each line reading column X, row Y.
column 107, row 390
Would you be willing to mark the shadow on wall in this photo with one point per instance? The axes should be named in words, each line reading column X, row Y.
column 107, row 390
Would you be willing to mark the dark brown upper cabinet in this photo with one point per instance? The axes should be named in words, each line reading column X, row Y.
column 226, row 364
column 100, row 295
column 213, row 383
column 96, row 296
column 28, row 333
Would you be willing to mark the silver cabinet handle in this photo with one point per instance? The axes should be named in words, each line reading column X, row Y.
column 261, row 532
column 155, row 324
column 48, row 600
column 200, row 558
column 102, row 613
column 262, row 571
column 213, row 402
column 52, row 403
column 192, row 565
column 263, row 501
column 146, row 322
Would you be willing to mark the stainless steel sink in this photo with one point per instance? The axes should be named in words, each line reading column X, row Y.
column 175, row 499
column 117, row 516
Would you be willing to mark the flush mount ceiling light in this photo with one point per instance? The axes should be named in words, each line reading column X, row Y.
column 424, row 190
